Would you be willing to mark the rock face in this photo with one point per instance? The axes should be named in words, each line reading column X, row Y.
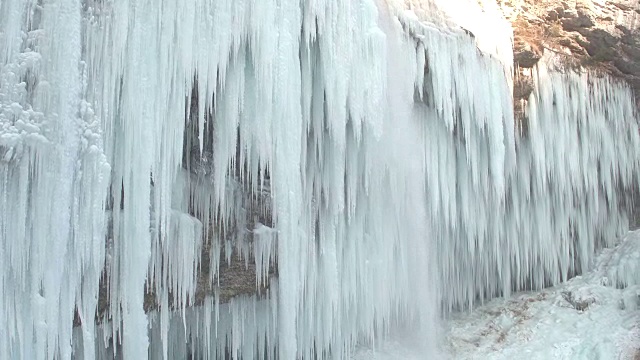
column 596, row 34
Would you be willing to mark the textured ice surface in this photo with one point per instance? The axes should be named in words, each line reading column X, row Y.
column 379, row 143
column 584, row 318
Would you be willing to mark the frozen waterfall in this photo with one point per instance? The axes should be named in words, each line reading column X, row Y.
column 365, row 159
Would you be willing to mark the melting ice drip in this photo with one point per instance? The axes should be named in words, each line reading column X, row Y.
column 383, row 146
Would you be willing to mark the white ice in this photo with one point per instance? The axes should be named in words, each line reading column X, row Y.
column 592, row 316
column 378, row 136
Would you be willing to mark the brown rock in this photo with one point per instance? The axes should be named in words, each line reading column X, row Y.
column 522, row 87
column 626, row 66
column 603, row 36
column 601, row 45
column 527, row 57
column 574, row 21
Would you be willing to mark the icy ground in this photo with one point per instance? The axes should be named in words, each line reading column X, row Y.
column 594, row 316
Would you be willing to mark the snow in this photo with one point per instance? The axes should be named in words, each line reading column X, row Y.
column 587, row 317
column 380, row 140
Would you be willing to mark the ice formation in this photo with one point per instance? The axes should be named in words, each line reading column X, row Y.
column 371, row 153
column 594, row 315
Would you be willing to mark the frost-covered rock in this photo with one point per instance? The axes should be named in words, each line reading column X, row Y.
column 587, row 317
column 620, row 266
column 603, row 36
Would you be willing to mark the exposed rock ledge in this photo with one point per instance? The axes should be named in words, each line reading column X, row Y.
column 602, row 35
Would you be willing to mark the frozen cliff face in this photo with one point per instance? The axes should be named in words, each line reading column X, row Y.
column 603, row 36
column 368, row 150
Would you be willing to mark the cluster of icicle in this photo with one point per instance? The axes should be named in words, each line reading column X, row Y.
column 385, row 143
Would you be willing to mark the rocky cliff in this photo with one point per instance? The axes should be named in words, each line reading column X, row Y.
column 603, row 36
column 599, row 36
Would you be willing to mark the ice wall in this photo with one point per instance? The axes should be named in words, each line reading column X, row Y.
column 379, row 143
column 54, row 182
column 576, row 152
